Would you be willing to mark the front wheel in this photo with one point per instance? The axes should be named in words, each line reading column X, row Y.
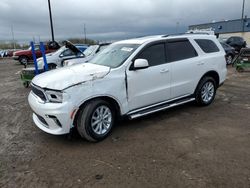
column 23, row 60
column 205, row 92
column 95, row 120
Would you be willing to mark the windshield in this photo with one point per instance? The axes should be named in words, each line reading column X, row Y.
column 37, row 47
column 60, row 50
column 114, row 55
column 89, row 50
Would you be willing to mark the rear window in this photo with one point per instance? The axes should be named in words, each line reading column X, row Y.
column 179, row 50
column 208, row 46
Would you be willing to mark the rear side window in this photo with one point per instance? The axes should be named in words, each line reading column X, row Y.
column 208, row 46
column 155, row 54
column 179, row 50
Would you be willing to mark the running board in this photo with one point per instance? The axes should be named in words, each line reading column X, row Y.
column 159, row 108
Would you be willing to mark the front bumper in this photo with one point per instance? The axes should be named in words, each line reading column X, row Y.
column 53, row 118
column 15, row 57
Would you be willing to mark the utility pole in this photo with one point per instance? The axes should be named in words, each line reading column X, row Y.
column 243, row 9
column 85, row 38
column 13, row 39
column 51, row 23
column 242, row 16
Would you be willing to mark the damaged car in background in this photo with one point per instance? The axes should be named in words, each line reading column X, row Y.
column 67, row 51
column 89, row 54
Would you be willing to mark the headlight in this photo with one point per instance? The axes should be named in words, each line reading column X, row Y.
column 54, row 96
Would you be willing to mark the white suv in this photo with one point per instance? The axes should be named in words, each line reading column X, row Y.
column 130, row 78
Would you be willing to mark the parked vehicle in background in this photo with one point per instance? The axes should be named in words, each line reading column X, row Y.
column 3, row 53
column 130, row 78
column 24, row 56
column 69, row 50
column 230, row 53
column 10, row 52
column 242, row 61
column 236, row 42
column 89, row 53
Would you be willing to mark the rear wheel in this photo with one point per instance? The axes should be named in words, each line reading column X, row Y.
column 26, row 84
column 205, row 92
column 95, row 120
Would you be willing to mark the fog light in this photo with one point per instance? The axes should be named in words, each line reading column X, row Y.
column 55, row 120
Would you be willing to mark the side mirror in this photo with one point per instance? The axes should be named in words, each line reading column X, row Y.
column 140, row 64
column 61, row 55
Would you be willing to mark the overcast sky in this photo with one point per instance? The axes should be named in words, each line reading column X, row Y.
column 110, row 19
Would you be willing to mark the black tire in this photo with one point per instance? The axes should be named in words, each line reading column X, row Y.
column 26, row 84
column 86, row 116
column 23, row 60
column 199, row 93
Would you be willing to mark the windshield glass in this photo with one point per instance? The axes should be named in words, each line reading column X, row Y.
column 60, row 50
column 114, row 55
column 89, row 50
column 37, row 47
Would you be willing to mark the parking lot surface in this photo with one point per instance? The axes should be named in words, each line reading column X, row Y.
column 187, row 146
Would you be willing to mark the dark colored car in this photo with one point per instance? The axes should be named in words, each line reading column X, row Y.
column 24, row 56
column 236, row 42
column 230, row 53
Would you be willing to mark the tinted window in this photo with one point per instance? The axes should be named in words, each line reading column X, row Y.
column 179, row 50
column 154, row 54
column 207, row 46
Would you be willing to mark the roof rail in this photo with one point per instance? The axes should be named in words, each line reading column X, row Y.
column 177, row 34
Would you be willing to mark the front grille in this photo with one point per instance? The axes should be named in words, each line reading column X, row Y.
column 42, row 120
column 38, row 93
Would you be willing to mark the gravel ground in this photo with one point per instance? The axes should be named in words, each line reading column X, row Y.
column 187, row 146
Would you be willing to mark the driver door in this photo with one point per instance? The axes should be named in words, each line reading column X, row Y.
column 153, row 84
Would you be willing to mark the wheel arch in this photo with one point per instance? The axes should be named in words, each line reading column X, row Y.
column 112, row 101
column 212, row 74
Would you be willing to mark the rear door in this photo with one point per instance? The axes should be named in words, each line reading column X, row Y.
column 185, row 66
column 150, row 85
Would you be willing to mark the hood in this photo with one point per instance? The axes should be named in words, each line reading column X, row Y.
column 60, row 79
column 21, row 52
column 72, row 47
column 50, row 54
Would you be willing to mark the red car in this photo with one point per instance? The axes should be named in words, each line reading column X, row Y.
column 24, row 56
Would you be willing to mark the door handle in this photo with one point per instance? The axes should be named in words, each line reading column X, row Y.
column 200, row 63
column 164, row 71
